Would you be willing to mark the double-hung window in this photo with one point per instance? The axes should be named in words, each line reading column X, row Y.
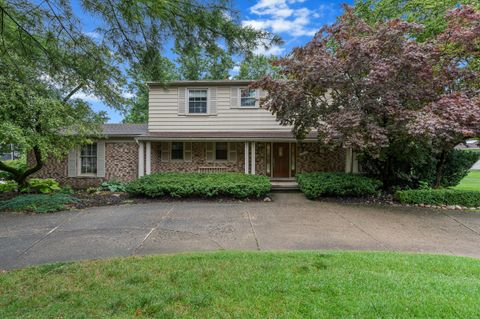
column 177, row 150
column 88, row 159
column 221, row 151
column 248, row 97
column 197, row 101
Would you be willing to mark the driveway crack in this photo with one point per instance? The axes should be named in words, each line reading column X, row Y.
column 23, row 253
column 253, row 230
column 140, row 245
column 462, row 224
column 362, row 230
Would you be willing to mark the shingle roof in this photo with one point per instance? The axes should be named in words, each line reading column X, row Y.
column 202, row 83
column 240, row 135
column 124, row 129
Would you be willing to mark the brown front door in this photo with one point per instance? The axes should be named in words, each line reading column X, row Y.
column 281, row 160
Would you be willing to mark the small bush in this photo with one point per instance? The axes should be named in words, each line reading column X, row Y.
column 315, row 185
column 439, row 197
column 113, row 186
column 42, row 185
column 8, row 186
column 38, row 203
column 178, row 185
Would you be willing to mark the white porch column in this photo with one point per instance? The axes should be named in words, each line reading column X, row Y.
column 247, row 157
column 148, row 158
column 141, row 159
column 252, row 144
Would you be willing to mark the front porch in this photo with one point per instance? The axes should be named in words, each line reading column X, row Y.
column 279, row 160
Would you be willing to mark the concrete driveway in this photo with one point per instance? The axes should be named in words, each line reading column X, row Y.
column 289, row 222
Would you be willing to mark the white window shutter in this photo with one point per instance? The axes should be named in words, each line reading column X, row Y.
column 212, row 101
column 263, row 93
column 234, row 97
column 257, row 97
column 232, row 152
column 165, row 151
column 210, row 150
column 72, row 163
column 187, row 151
column 182, row 101
column 100, row 158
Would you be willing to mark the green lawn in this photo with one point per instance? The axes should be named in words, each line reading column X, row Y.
column 248, row 285
column 471, row 182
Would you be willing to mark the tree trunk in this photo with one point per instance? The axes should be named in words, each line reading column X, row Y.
column 386, row 173
column 439, row 169
column 21, row 176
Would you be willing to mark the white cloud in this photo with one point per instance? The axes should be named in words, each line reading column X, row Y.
column 94, row 35
column 274, row 50
column 236, row 69
column 85, row 96
column 279, row 16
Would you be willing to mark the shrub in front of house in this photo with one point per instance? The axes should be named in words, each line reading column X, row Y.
column 42, row 185
column 38, row 203
column 315, row 185
column 178, row 185
column 8, row 186
column 439, row 197
column 113, row 186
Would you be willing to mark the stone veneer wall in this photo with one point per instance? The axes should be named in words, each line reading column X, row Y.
column 120, row 164
column 198, row 160
column 313, row 157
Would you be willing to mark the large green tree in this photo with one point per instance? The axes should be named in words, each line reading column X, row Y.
column 429, row 13
column 43, row 42
column 255, row 67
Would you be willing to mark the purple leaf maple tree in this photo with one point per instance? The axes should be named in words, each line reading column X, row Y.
column 367, row 87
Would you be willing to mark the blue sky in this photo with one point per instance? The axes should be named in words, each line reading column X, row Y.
column 296, row 21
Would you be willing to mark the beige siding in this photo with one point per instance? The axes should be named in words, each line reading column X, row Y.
column 163, row 115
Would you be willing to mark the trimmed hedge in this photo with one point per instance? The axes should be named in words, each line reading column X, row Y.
column 39, row 203
column 439, row 197
column 315, row 185
column 179, row 185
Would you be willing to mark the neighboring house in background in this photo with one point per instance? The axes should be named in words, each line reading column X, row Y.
column 199, row 126
column 471, row 145
column 8, row 153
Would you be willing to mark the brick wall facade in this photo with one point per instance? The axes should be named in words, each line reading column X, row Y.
column 313, row 157
column 198, row 160
column 120, row 164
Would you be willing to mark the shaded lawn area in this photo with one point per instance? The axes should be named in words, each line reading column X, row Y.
column 470, row 182
column 247, row 285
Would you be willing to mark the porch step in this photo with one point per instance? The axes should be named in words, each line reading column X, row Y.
column 284, row 186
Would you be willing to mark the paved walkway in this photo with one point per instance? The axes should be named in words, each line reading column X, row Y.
column 289, row 222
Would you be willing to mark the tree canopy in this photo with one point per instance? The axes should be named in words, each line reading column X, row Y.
column 378, row 90
column 429, row 13
column 255, row 67
column 47, row 59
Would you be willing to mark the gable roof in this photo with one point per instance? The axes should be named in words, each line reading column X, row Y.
column 202, row 83
column 124, row 129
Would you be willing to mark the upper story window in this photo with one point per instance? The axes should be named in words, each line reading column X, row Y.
column 248, row 97
column 197, row 101
column 221, row 151
column 88, row 159
column 177, row 150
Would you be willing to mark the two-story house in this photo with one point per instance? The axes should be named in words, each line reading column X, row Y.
column 199, row 126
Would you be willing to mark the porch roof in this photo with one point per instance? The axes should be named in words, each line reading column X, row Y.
column 225, row 135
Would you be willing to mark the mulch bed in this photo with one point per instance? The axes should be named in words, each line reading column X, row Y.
column 105, row 198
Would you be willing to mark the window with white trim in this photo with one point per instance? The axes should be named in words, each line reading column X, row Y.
column 197, row 101
column 88, row 159
column 248, row 97
column 221, row 151
column 177, row 150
